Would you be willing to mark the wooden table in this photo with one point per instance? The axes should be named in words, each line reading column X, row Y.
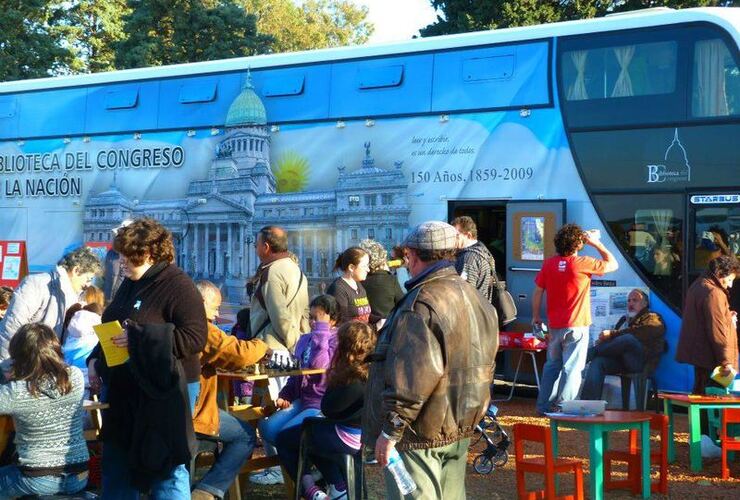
column 694, row 403
column 255, row 412
column 598, row 427
column 268, row 374
column 522, row 351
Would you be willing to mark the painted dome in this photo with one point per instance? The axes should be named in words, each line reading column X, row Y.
column 247, row 109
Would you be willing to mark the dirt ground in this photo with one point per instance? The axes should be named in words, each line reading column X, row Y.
column 501, row 483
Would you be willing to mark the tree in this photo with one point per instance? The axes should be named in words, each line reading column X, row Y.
column 93, row 27
column 459, row 16
column 179, row 31
column 312, row 24
column 31, row 46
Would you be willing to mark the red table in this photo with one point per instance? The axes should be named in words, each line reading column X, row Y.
column 522, row 351
column 694, row 403
column 598, row 427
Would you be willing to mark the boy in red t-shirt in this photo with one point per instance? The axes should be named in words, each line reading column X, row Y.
column 566, row 278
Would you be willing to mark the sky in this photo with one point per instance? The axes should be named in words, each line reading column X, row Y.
column 397, row 20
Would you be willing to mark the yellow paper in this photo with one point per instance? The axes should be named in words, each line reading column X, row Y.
column 114, row 355
column 724, row 381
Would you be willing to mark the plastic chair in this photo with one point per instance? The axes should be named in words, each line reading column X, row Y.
column 547, row 465
column 658, row 423
column 729, row 442
column 352, row 465
column 644, row 387
column 714, row 416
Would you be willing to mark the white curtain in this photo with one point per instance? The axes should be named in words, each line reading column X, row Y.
column 710, row 97
column 577, row 91
column 662, row 220
column 623, row 87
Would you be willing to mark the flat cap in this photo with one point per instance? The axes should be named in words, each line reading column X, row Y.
column 432, row 235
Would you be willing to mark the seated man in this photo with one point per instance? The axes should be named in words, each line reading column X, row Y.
column 228, row 353
column 634, row 346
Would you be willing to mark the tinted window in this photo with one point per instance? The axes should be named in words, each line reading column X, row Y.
column 716, row 80
column 649, row 230
column 620, row 71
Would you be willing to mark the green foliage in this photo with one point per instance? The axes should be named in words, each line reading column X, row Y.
column 179, row 31
column 459, row 16
column 31, row 44
column 92, row 28
column 312, row 24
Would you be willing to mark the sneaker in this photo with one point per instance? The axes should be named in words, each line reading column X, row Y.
column 271, row 476
column 335, row 494
column 709, row 449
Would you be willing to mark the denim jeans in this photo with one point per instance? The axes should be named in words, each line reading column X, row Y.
column 323, row 435
column 238, row 437
column 13, row 483
column 289, row 417
column 623, row 354
column 117, row 481
column 566, row 356
column 193, row 393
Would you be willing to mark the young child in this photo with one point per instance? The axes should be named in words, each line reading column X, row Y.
column 301, row 396
column 343, row 401
column 44, row 397
column 78, row 336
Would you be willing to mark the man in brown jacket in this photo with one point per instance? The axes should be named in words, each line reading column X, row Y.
column 708, row 337
column 633, row 346
column 430, row 374
column 224, row 352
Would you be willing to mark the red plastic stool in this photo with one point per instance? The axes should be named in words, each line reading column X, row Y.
column 547, row 465
column 658, row 423
column 729, row 443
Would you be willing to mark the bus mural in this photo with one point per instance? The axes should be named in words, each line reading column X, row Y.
column 626, row 124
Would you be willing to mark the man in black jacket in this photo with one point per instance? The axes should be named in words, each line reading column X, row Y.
column 474, row 263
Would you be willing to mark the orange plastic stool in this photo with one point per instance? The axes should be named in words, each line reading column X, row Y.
column 547, row 465
column 658, row 423
column 729, row 443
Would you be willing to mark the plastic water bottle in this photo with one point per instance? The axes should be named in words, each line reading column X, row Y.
column 398, row 470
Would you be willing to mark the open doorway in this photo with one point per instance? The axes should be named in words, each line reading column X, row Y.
column 490, row 218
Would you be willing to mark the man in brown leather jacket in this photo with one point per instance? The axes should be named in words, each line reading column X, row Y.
column 431, row 370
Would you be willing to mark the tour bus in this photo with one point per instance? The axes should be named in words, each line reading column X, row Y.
column 628, row 124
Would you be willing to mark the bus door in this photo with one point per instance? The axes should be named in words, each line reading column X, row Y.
column 530, row 230
column 714, row 230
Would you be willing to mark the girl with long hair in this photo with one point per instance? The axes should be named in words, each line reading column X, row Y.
column 342, row 404
column 44, row 396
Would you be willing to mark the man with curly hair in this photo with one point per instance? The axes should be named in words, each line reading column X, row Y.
column 566, row 278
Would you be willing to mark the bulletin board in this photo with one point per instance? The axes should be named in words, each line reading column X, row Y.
column 13, row 262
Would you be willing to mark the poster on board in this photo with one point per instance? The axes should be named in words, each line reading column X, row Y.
column 608, row 304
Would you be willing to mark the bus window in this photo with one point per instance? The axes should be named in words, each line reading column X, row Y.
column 648, row 228
column 716, row 80
column 716, row 232
column 620, row 71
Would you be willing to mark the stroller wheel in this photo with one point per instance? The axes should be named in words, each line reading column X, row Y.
column 500, row 459
column 482, row 464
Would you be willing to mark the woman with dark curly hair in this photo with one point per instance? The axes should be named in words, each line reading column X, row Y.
column 343, row 401
column 158, row 303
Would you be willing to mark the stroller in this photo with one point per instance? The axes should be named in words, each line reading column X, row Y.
column 495, row 454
